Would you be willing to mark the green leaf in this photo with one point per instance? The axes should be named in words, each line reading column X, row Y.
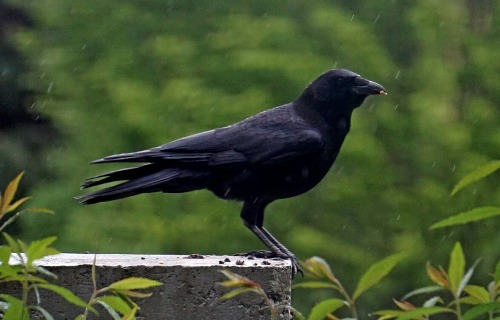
column 8, row 271
column 115, row 303
column 456, row 268
column 13, row 244
column 476, row 311
column 66, row 294
column 325, row 307
column 236, row 292
column 135, row 294
column 39, row 249
column 315, row 285
column 44, row 312
column 131, row 314
column 5, row 255
column 473, row 215
column 110, row 310
column 420, row 312
column 476, row 175
column 39, row 210
column 376, row 273
column 133, row 283
column 16, row 310
column 388, row 314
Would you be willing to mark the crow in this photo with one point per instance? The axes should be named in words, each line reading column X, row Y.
column 278, row 153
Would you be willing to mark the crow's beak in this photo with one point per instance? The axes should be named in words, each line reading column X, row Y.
column 367, row 87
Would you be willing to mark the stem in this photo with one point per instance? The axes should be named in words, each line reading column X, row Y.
column 25, row 286
column 10, row 220
column 458, row 308
column 274, row 311
column 91, row 300
column 344, row 293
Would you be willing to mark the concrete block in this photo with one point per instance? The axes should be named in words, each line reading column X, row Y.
column 189, row 288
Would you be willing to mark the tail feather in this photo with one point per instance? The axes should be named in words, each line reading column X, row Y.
column 145, row 179
column 120, row 175
column 157, row 155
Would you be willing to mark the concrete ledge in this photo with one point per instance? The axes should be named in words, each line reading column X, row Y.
column 189, row 288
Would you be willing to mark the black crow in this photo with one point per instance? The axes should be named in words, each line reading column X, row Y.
column 276, row 154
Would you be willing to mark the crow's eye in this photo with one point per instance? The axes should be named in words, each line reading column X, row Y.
column 339, row 81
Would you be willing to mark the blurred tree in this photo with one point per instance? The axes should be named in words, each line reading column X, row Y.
column 23, row 132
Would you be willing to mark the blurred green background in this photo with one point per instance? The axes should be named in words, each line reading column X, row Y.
column 83, row 79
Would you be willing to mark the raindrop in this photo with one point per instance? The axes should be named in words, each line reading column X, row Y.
column 434, row 164
column 396, row 106
column 397, row 74
column 453, row 169
column 50, row 87
column 352, row 18
column 399, row 216
column 84, row 46
column 376, row 19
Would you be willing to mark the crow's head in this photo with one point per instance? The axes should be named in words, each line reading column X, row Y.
column 342, row 87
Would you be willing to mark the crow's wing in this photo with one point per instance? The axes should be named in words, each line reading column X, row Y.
column 268, row 138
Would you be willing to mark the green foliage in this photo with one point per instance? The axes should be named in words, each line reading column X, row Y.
column 116, row 298
column 242, row 285
column 319, row 269
column 454, row 280
column 475, row 214
column 476, row 175
column 481, row 301
column 17, row 264
column 7, row 207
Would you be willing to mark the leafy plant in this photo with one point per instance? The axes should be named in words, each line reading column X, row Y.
column 475, row 214
column 467, row 301
column 23, row 269
column 17, row 264
column 481, row 300
column 454, row 280
column 7, row 206
column 244, row 285
column 116, row 298
column 323, row 276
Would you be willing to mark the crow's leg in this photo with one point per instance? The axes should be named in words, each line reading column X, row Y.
column 253, row 218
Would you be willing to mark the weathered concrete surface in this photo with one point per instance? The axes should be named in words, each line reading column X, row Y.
column 189, row 288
